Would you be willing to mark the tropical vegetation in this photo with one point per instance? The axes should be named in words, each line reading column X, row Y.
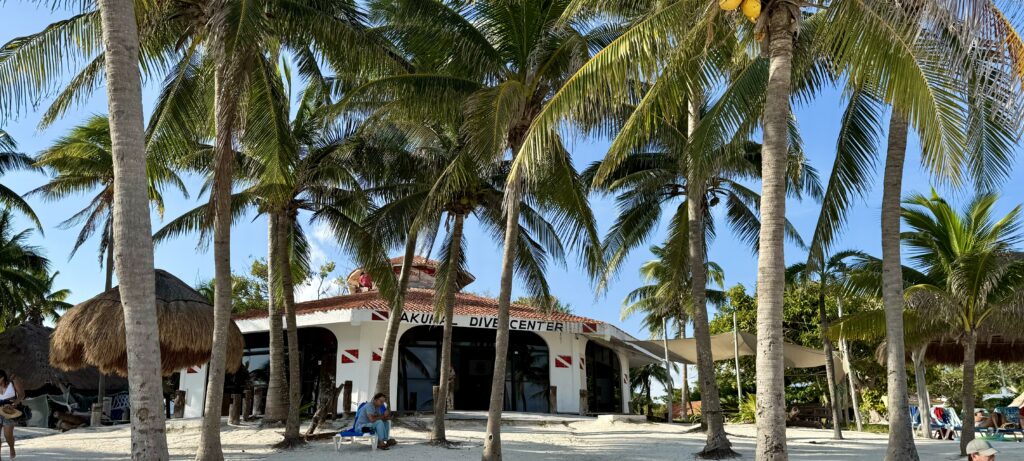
column 389, row 124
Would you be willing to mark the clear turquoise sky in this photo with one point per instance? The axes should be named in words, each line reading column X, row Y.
column 818, row 122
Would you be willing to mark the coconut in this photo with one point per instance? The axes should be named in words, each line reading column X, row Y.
column 729, row 5
column 752, row 9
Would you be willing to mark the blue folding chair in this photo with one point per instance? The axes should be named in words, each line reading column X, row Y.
column 357, row 433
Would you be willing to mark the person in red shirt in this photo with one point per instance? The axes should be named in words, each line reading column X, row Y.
column 365, row 282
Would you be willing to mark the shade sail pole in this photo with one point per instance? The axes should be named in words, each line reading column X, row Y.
column 736, row 357
column 668, row 369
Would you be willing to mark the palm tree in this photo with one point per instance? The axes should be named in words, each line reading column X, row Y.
column 20, row 267
column 307, row 169
column 10, row 159
column 660, row 50
column 133, row 244
column 640, row 381
column 500, row 63
column 240, row 41
column 667, row 296
column 83, row 162
column 646, row 182
column 964, row 113
column 48, row 304
column 829, row 276
column 975, row 279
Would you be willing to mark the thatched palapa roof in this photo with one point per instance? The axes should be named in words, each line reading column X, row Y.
column 991, row 349
column 92, row 333
column 26, row 356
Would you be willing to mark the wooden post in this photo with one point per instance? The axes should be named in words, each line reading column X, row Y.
column 179, row 404
column 553, row 399
column 247, row 404
column 346, row 398
column 583, row 403
column 235, row 411
column 97, row 415
column 257, row 401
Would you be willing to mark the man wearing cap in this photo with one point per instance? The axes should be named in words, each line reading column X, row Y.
column 980, row 450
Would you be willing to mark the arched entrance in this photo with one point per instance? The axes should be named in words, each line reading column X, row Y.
column 604, row 383
column 527, row 375
column 318, row 350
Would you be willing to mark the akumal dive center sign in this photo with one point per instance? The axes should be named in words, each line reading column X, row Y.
column 489, row 322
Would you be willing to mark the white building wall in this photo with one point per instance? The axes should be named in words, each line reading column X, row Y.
column 359, row 339
column 194, row 385
column 561, row 351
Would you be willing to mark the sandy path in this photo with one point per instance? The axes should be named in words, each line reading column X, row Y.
column 575, row 441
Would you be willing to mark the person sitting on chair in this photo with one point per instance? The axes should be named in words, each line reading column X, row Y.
column 371, row 417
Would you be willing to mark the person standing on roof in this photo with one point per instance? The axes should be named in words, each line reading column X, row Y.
column 365, row 281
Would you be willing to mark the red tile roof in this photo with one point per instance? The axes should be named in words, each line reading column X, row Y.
column 422, row 300
column 416, row 261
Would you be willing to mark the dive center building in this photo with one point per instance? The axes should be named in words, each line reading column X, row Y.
column 557, row 362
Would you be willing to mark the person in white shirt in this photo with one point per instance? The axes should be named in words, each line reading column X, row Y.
column 8, row 396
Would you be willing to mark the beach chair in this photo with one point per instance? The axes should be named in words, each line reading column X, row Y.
column 915, row 417
column 1012, row 415
column 354, row 433
column 954, row 421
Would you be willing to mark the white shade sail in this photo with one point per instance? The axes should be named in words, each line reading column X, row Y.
column 722, row 348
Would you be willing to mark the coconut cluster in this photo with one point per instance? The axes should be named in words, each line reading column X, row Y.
column 751, row 8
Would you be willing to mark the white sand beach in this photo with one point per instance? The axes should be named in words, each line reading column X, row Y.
column 586, row 440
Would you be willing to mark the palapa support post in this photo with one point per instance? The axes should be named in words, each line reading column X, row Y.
column 235, row 411
column 97, row 415
column 347, row 398
column 553, row 400
column 583, row 403
column 257, row 401
column 247, row 405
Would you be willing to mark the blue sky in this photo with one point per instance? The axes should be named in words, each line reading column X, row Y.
column 819, row 126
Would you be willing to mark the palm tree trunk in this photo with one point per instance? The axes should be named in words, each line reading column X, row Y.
column 133, row 242
column 492, row 440
column 226, row 112
column 771, row 401
column 923, row 400
column 901, row 437
column 437, row 434
column 387, row 356
column 102, row 385
column 650, row 403
column 717, row 444
column 967, row 433
column 275, row 411
column 684, row 389
column 284, row 228
column 830, row 366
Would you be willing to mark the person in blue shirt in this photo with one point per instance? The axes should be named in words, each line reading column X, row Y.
column 375, row 415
